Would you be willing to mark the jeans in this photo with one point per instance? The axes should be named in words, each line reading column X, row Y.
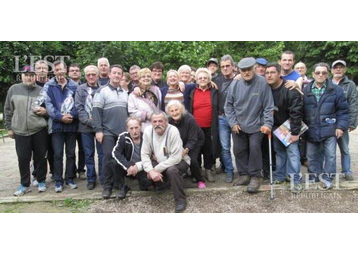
column 58, row 142
column 315, row 150
column 287, row 161
column 225, row 141
column 343, row 144
column 88, row 143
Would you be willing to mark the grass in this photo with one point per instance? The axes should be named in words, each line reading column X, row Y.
column 75, row 206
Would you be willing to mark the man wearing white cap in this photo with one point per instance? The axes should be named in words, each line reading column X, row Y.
column 339, row 68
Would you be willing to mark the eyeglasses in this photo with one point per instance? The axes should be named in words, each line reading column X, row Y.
column 203, row 78
column 146, row 76
column 319, row 73
column 223, row 67
column 157, row 71
column 91, row 74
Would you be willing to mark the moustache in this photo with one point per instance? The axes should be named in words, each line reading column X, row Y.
column 159, row 126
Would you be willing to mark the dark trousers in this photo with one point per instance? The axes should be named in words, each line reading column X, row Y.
column 35, row 145
column 303, row 149
column 248, row 155
column 88, row 143
column 144, row 182
column 80, row 168
column 58, row 142
column 49, row 157
column 207, row 150
column 194, row 164
column 109, row 167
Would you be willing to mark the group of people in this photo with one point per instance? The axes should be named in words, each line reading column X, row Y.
column 157, row 131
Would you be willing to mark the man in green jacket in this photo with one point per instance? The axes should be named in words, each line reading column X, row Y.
column 25, row 122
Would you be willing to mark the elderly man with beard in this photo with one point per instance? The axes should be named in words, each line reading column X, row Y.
column 27, row 126
column 162, row 157
column 339, row 68
column 249, row 107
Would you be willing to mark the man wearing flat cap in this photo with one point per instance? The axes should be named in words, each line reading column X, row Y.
column 339, row 68
column 25, row 122
column 249, row 107
column 260, row 66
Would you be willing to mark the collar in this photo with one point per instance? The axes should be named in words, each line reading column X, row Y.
column 314, row 85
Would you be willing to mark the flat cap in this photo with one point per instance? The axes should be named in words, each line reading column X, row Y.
column 262, row 61
column 246, row 63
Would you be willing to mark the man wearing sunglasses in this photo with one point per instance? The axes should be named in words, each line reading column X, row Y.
column 327, row 117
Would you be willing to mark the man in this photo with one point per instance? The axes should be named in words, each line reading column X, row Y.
column 133, row 72
column 103, row 67
column 157, row 69
column 127, row 155
column 74, row 72
column 248, row 108
column 41, row 71
column 224, row 82
column 327, row 117
column 162, row 159
column 339, row 68
column 260, row 66
column 62, row 124
column 213, row 66
column 294, row 79
column 109, row 115
column 288, row 105
column 84, row 104
column 25, row 122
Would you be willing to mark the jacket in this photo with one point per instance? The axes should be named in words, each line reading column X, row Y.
column 350, row 91
column 54, row 101
column 288, row 105
column 250, row 104
column 19, row 116
column 214, row 124
column 327, row 115
column 85, row 123
column 123, row 152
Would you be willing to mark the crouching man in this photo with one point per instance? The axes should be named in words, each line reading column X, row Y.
column 126, row 153
column 162, row 159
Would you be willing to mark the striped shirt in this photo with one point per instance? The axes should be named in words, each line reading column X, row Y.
column 173, row 94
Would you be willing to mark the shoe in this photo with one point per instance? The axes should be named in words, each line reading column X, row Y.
column 296, row 189
column 305, row 163
column 106, row 193
column 193, row 180
column 229, row 177
column 58, row 188
column 72, row 184
column 180, row 206
column 52, row 178
column 22, row 190
column 277, row 182
column 220, row 169
column 254, row 184
column 209, row 175
column 243, row 181
column 35, row 183
column 42, row 186
column 201, row 185
column 349, row 177
column 327, row 184
column 82, row 176
column 123, row 192
column 91, row 185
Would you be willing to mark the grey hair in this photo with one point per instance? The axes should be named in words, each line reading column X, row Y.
column 322, row 65
column 226, row 58
column 87, row 68
column 158, row 112
column 103, row 60
column 203, row 70
column 41, row 62
column 175, row 103
column 183, row 68
column 134, row 67
column 133, row 118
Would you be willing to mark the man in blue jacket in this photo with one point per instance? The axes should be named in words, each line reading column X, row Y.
column 62, row 124
column 327, row 117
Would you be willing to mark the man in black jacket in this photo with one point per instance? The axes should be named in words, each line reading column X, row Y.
column 126, row 153
column 288, row 105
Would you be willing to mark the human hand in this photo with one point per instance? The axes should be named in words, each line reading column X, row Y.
column 132, row 170
column 339, row 133
column 67, row 118
column 236, row 129
column 41, row 111
column 11, row 134
column 99, row 137
column 265, row 130
column 294, row 138
column 155, row 176
column 137, row 92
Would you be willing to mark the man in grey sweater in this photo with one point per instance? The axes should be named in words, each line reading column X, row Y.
column 162, row 157
column 249, row 109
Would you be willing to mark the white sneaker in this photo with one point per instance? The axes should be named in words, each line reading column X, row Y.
column 35, row 183
column 22, row 190
column 42, row 187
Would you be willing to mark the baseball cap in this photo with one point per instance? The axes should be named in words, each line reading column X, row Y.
column 339, row 62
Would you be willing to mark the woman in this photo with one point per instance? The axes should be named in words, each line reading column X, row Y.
column 149, row 100
column 172, row 91
column 125, row 82
column 204, row 103
column 191, row 135
column 185, row 74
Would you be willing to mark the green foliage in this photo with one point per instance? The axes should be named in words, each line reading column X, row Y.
column 74, row 205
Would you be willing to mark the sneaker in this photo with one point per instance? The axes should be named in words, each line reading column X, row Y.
column 349, row 177
column 327, row 184
column 72, row 184
column 243, row 181
column 42, row 186
column 254, row 185
column 22, row 190
column 201, row 185
column 229, row 177
column 82, row 176
column 58, row 188
column 296, row 189
column 35, row 183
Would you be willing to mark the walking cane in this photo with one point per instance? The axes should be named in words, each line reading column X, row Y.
column 269, row 135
